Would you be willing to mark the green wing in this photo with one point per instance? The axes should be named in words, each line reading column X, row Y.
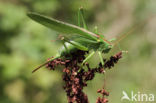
column 67, row 29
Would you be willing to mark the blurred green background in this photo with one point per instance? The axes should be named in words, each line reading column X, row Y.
column 24, row 44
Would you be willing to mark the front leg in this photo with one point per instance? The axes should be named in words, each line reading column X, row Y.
column 101, row 58
column 88, row 57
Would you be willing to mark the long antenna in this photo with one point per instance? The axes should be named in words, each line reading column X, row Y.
column 129, row 32
column 125, row 35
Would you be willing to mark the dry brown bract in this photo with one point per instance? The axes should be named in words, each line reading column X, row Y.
column 76, row 77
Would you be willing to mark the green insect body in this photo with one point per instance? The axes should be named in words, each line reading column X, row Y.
column 75, row 37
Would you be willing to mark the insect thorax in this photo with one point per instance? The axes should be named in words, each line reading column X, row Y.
column 104, row 47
